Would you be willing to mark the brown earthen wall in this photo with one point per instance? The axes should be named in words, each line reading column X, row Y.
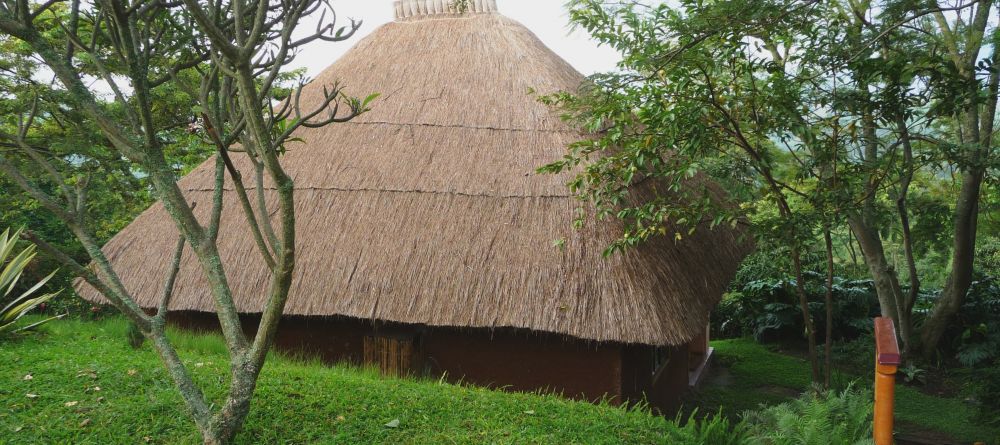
column 510, row 359
column 523, row 361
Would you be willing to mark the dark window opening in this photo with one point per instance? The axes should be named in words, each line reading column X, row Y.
column 661, row 356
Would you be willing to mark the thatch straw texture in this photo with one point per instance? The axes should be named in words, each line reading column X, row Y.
column 427, row 210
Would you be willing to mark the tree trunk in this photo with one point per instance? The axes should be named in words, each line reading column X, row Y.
column 800, row 289
column 960, row 278
column 828, row 301
column 222, row 428
column 906, row 178
column 886, row 282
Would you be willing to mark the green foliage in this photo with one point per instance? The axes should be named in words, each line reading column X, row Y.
column 912, row 373
column 767, row 309
column 844, row 117
column 988, row 255
column 462, row 6
column 977, row 330
column 12, row 268
column 985, row 385
column 715, row 429
column 855, row 355
column 830, row 418
column 116, row 190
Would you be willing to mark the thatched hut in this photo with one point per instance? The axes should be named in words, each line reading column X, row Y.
column 426, row 238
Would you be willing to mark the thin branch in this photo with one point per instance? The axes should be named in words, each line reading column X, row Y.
column 168, row 287
column 123, row 302
column 240, row 192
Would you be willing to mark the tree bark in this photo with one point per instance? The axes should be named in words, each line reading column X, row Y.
column 906, row 178
column 828, row 301
column 960, row 278
column 800, row 290
column 886, row 282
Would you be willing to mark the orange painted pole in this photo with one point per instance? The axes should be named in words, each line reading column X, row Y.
column 886, row 362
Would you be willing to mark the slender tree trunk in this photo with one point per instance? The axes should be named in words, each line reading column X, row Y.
column 864, row 224
column 906, row 305
column 800, row 289
column 960, row 278
column 886, row 282
column 828, row 301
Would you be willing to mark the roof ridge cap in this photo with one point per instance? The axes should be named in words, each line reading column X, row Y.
column 407, row 9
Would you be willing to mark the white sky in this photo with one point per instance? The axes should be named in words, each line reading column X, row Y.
column 546, row 18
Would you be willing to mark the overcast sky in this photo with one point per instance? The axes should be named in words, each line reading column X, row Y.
column 546, row 18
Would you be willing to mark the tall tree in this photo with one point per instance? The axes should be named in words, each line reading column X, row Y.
column 229, row 56
column 697, row 88
column 974, row 86
column 826, row 106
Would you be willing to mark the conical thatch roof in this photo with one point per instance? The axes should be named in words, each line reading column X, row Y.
column 427, row 209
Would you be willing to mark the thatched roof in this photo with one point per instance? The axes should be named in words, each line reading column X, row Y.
column 428, row 209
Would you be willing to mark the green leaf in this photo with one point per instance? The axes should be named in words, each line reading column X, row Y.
column 369, row 99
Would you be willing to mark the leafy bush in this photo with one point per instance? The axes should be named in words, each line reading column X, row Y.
column 988, row 255
column 855, row 355
column 769, row 308
column 830, row 418
column 977, row 345
column 986, row 390
column 975, row 332
column 979, row 320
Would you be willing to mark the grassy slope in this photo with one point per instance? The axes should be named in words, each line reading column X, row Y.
column 92, row 388
column 758, row 375
column 123, row 396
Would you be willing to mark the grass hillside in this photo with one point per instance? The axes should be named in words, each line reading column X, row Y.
column 80, row 383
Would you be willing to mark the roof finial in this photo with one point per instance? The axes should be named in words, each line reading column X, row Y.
column 417, row 8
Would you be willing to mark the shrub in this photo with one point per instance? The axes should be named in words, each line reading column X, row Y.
column 829, row 418
column 768, row 308
column 979, row 321
column 986, row 390
column 856, row 355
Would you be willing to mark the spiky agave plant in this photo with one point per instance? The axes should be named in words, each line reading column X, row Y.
column 11, row 269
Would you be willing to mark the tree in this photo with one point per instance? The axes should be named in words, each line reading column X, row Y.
column 974, row 106
column 817, row 113
column 229, row 57
column 693, row 96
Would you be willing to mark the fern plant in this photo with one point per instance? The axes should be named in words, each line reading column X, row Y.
column 11, row 270
column 715, row 430
column 828, row 418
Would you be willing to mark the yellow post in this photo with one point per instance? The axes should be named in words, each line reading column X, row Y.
column 886, row 362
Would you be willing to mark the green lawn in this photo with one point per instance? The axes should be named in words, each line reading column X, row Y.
column 80, row 383
column 751, row 374
column 88, row 387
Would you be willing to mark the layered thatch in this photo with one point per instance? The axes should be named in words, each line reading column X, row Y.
column 427, row 210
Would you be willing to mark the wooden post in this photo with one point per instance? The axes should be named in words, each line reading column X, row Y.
column 886, row 362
